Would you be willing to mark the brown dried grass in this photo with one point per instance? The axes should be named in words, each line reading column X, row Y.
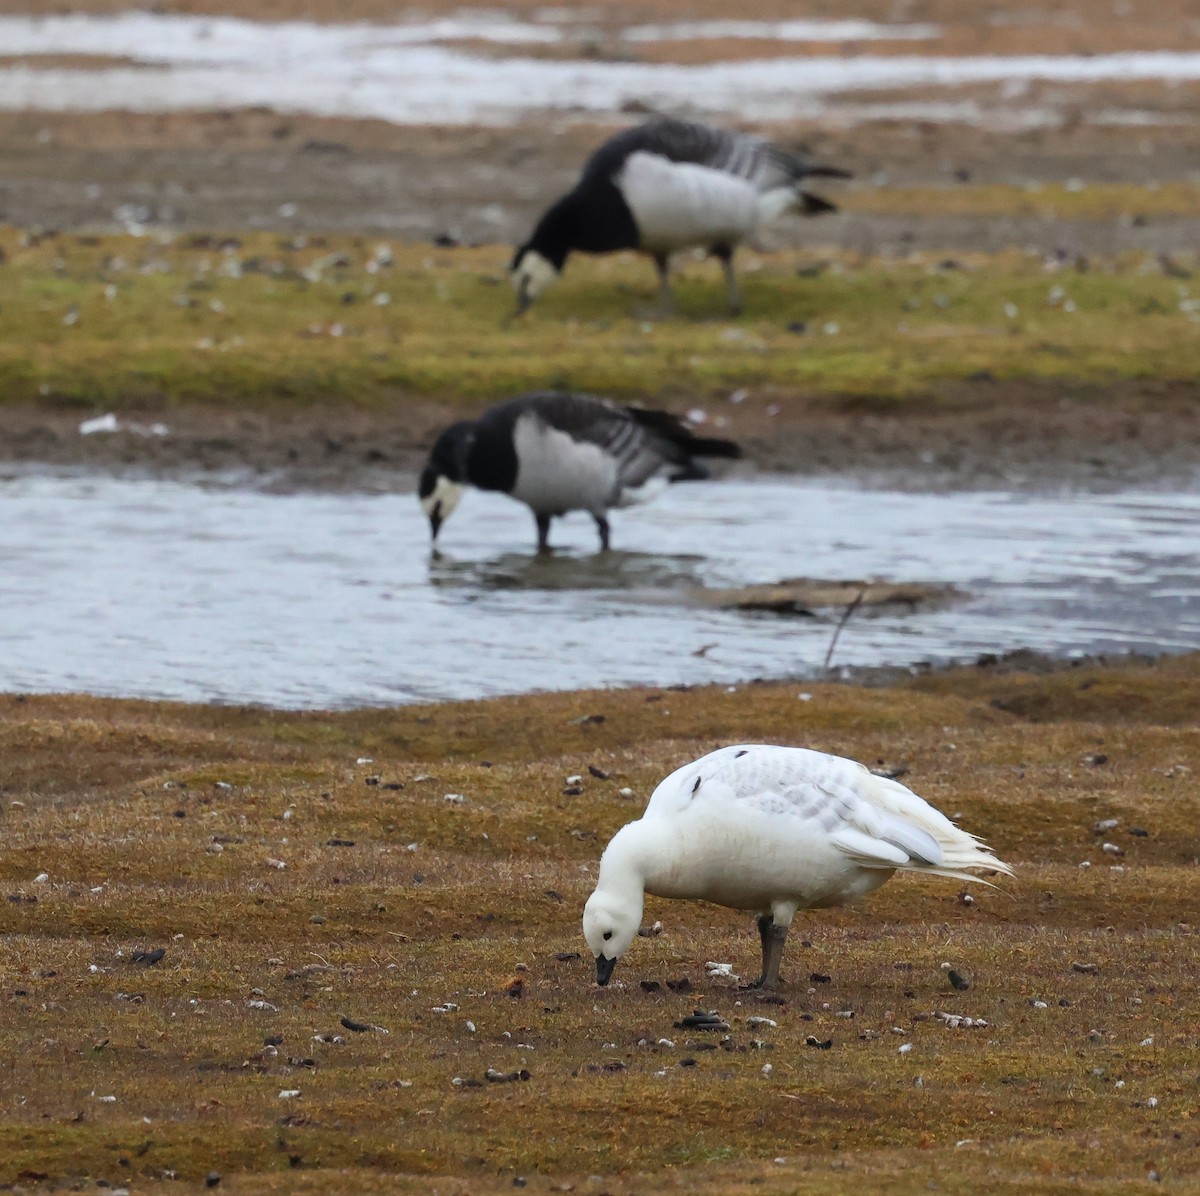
column 120, row 803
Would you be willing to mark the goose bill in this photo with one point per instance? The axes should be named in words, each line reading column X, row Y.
column 604, row 970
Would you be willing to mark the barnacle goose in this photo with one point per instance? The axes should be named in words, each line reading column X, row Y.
column 559, row 452
column 668, row 185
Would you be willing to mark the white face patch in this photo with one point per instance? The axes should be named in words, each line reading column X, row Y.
column 532, row 276
column 443, row 498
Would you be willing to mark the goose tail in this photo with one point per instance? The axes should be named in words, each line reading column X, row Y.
column 934, row 844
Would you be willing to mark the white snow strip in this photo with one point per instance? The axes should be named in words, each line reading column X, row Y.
column 784, row 31
column 395, row 73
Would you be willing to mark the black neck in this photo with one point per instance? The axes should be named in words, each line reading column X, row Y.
column 594, row 218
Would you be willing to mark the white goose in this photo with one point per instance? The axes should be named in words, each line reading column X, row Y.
column 668, row 185
column 770, row 829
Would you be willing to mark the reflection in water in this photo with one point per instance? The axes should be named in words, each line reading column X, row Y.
column 163, row 589
column 613, row 570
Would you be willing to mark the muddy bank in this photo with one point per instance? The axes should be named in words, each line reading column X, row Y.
column 255, row 169
column 971, row 435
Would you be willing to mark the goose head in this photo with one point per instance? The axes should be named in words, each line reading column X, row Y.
column 531, row 273
column 610, row 924
column 441, row 484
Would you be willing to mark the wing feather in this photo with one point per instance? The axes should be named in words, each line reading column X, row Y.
column 877, row 822
column 743, row 155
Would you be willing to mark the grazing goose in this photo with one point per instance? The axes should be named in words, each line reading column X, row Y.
column 559, row 452
column 668, row 185
column 774, row 830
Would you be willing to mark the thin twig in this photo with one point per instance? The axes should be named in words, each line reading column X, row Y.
column 853, row 606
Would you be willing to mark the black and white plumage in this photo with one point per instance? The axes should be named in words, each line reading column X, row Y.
column 664, row 186
column 559, row 452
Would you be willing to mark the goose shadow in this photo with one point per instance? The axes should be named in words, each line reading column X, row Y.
column 567, row 571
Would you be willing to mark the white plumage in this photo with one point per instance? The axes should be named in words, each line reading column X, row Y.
column 679, row 204
column 773, row 830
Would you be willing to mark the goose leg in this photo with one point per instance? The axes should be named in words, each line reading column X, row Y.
column 543, row 529
column 772, row 935
column 725, row 254
column 666, row 299
column 602, row 528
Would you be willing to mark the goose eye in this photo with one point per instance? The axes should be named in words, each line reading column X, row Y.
column 607, row 935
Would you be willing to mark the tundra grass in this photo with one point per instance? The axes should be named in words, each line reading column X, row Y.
column 102, row 322
column 298, row 869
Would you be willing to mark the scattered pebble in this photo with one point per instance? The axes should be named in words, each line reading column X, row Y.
column 456, row 799
column 1105, row 824
column 288, row 1093
column 449, row 1007
column 958, row 981
column 905, row 1048
column 957, row 1020
column 505, row 1077
column 626, row 792
column 816, row 1042
column 702, row 1019
column 1087, row 969
column 361, row 1027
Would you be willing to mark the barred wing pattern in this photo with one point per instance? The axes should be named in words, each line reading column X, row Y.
column 639, row 452
column 743, row 155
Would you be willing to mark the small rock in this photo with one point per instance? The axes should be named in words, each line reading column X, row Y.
column 212, row 1179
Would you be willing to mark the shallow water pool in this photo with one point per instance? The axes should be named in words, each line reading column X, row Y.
column 216, row 593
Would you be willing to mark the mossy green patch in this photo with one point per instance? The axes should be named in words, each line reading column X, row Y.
column 257, row 320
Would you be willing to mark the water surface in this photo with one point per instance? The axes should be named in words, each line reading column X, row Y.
column 170, row 590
